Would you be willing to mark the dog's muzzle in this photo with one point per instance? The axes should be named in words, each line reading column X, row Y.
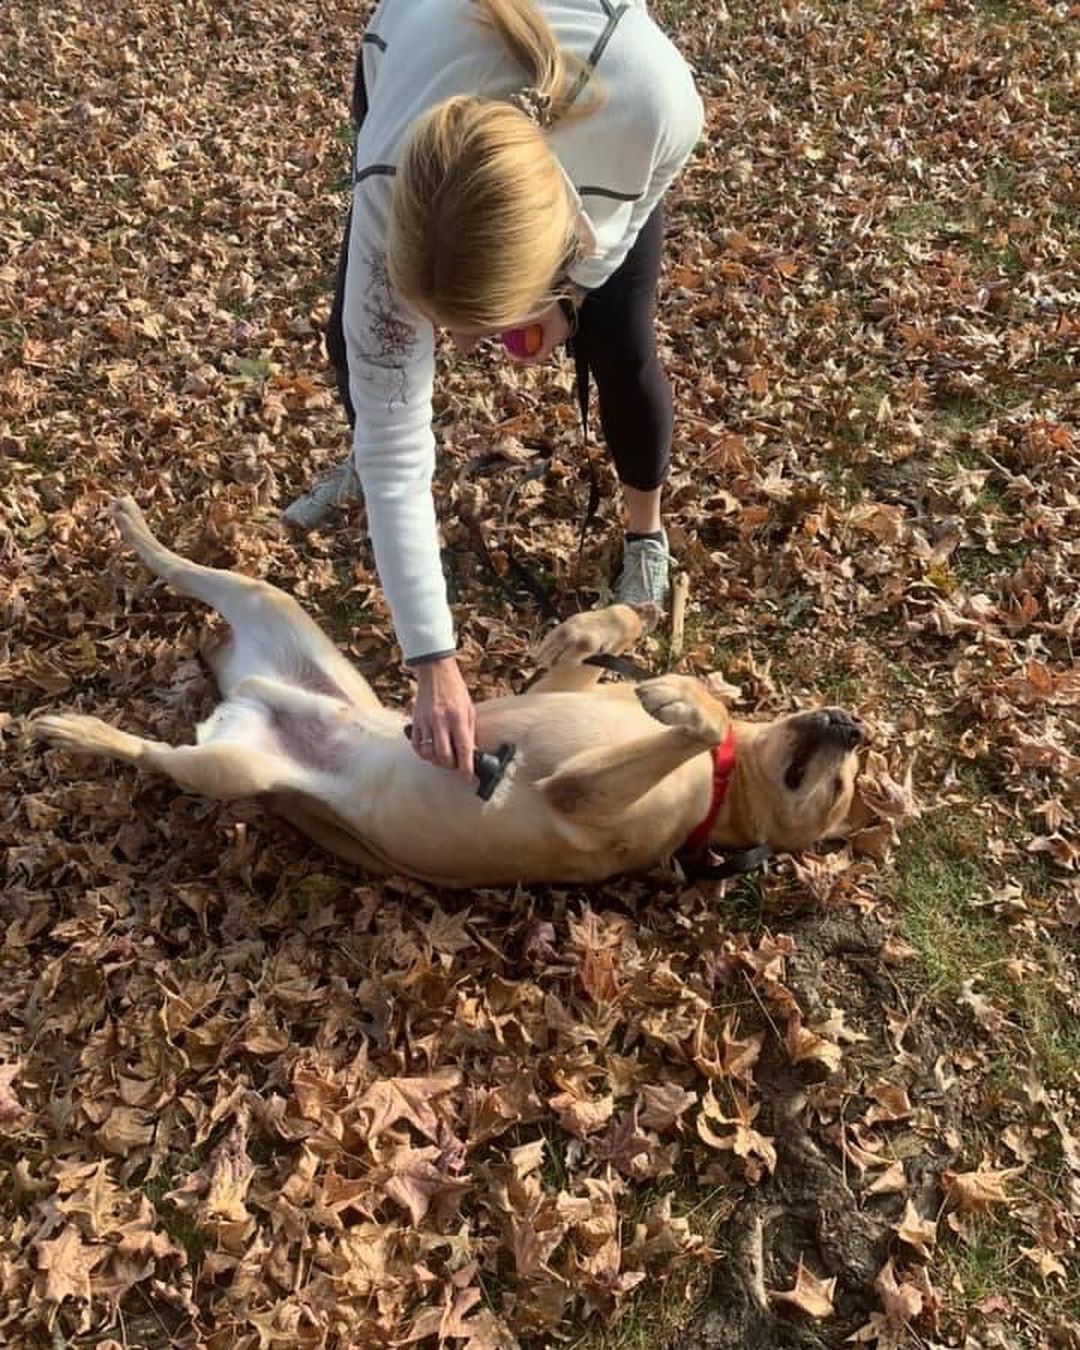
column 825, row 728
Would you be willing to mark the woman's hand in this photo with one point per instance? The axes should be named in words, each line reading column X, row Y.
column 444, row 719
column 556, row 329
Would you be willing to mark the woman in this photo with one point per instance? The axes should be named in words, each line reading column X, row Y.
column 511, row 156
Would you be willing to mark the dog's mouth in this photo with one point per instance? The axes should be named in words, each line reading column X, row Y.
column 823, row 729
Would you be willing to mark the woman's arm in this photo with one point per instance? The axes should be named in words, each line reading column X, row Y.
column 391, row 360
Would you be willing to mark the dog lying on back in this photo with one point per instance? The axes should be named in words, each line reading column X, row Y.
column 607, row 778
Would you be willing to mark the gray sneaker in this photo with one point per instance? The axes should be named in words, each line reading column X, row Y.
column 644, row 577
column 340, row 486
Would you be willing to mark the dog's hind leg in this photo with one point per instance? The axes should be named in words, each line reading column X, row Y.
column 609, row 632
column 224, row 770
column 601, row 784
column 271, row 634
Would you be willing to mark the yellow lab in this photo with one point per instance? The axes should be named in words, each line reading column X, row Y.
column 607, row 778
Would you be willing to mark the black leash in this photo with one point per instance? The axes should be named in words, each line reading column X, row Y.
column 524, row 579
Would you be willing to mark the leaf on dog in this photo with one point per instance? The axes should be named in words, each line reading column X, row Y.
column 810, row 1295
column 915, row 1231
column 392, row 1100
column 975, row 1192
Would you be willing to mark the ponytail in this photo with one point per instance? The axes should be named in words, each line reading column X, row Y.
column 554, row 75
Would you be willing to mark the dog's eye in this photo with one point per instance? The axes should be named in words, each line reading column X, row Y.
column 837, row 786
column 794, row 776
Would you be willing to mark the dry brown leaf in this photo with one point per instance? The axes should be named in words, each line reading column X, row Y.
column 68, row 1263
column 975, row 1192
column 810, row 1295
column 917, row 1232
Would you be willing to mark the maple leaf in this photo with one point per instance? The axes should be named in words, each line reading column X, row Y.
column 902, row 1303
column 229, row 1176
column 447, row 933
column 1045, row 1262
column 810, row 1295
column 11, row 1109
column 891, row 1102
column 631, row 1152
column 663, row 1104
column 975, row 1192
column 744, row 1141
column 581, row 1116
column 390, row 1100
column 68, row 1264
column 915, row 1231
column 892, row 1180
column 448, row 1321
column 989, row 1017
column 95, row 1199
column 411, row 1177
column 804, row 1044
column 125, row 1129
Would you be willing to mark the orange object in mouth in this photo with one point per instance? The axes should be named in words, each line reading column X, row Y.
column 524, row 341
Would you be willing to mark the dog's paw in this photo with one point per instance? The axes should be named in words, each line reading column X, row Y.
column 680, row 701
column 596, row 632
column 130, row 521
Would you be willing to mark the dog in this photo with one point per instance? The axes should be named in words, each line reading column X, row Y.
column 607, row 778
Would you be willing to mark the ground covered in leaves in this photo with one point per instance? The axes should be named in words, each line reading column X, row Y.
column 247, row 1099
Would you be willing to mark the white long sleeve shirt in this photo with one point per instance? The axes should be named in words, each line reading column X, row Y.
column 618, row 162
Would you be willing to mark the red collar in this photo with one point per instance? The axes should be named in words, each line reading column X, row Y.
column 723, row 759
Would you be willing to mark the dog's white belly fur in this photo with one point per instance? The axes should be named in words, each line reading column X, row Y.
column 356, row 765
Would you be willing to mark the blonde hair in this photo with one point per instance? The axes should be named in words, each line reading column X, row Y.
column 481, row 222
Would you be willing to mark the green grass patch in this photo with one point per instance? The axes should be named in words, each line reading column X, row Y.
column 918, row 221
column 182, row 1228
column 939, row 878
column 660, row 1312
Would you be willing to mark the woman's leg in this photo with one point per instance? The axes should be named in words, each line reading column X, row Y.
column 617, row 339
column 340, row 485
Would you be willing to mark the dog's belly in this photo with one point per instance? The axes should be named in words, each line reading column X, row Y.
column 430, row 823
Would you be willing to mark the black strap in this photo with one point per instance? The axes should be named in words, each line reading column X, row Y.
column 522, row 576
column 524, row 579
column 617, row 665
column 737, row 863
column 581, row 380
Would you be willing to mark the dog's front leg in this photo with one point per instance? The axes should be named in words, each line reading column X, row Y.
column 601, row 784
column 610, row 631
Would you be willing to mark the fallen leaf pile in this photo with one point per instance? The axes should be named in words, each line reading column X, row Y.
column 248, row 1099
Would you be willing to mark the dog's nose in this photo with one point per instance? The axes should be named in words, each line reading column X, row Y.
column 843, row 728
column 833, row 726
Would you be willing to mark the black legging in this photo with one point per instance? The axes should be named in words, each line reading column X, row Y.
column 616, row 339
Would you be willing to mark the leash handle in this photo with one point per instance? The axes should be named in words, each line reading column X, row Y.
column 488, row 766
